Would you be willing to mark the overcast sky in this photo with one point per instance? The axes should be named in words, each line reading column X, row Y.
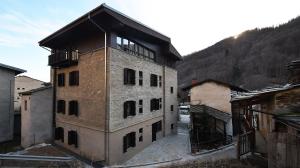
column 191, row 25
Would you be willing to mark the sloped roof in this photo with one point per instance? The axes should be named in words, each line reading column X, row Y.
column 262, row 92
column 11, row 68
column 232, row 87
column 36, row 90
column 210, row 111
column 121, row 18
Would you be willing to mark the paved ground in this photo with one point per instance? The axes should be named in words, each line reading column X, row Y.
column 176, row 148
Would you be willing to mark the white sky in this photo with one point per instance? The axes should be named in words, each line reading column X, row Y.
column 192, row 25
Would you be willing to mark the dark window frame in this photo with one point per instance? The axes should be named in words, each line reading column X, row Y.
column 141, row 78
column 129, row 140
column 129, row 76
column 59, row 134
column 61, row 79
column 153, row 80
column 141, row 106
column 73, row 138
column 61, row 106
column 171, row 89
column 154, row 104
column 129, row 108
column 73, row 107
column 172, row 108
column 74, row 78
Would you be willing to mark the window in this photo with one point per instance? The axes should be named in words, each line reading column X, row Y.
column 171, row 90
column 74, row 78
column 135, row 49
column 61, row 79
column 129, row 76
column 73, row 138
column 140, row 78
column 172, row 108
column 157, row 126
column 61, row 106
column 73, row 108
column 128, row 141
column 160, row 103
column 141, row 135
column 153, row 80
column 159, row 81
column 154, row 104
column 172, row 126
column 140, row 106
column 119, row 42
column 59, row 134
column 25, row 105
column 129, row 108
column 18, row 88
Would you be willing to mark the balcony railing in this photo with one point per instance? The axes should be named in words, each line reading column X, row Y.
column 63, row 58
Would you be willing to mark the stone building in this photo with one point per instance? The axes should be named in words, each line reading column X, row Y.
column 37, row 117
column 7, row 83
column 115, row 85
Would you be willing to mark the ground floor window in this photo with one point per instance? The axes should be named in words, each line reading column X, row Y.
column 59, row 134
column 128, row 141
column 73, row 138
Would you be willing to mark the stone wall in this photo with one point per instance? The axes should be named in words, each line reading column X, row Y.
column 90, row 94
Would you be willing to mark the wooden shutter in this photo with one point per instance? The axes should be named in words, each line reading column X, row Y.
column 76, row 77
column 125, row 76
column 125, row 109
column 124, row 144
column 132, row 77
column 132, row 139
column 133, row 108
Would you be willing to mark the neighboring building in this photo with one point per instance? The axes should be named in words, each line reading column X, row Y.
column 210, row 112
column 7, row 83
column 37, row 116
column 214, row 94
column 22, row 84
column 269, row 122
column 115, row 85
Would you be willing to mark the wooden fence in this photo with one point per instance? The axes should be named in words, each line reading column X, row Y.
column 284, row 150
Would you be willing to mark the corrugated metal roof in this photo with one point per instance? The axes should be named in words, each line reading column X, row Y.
column 11, row 68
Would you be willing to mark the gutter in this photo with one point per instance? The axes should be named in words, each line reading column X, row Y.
column 106, row 126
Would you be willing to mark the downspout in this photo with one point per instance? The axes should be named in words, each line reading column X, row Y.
column 106, row 125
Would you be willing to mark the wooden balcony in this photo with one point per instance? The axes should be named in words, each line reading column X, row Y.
column 63, row 58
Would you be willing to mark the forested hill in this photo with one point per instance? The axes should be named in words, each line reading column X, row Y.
column 255, row 59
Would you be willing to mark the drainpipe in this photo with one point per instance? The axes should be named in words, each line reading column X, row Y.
column 106, row 127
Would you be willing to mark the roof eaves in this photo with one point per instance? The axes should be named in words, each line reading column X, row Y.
column 16, row 70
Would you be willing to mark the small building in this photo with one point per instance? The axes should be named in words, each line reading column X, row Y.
column 37, row 116
column 269, row 122
column 210, row 111
column 7, row 83
column 22, row 84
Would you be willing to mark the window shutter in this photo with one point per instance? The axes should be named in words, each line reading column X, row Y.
column 77, row 78
column 124, row 144
column 133, row 139
column 70, row 140
column 125, row 109
column 133, row 108
column 125, row 76
column 133, row 77
column 75, row 139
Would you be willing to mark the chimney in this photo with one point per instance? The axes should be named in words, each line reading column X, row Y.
column 194, row 81
column 294, row 69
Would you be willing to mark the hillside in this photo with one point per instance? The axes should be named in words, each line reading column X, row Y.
column 255, row 59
